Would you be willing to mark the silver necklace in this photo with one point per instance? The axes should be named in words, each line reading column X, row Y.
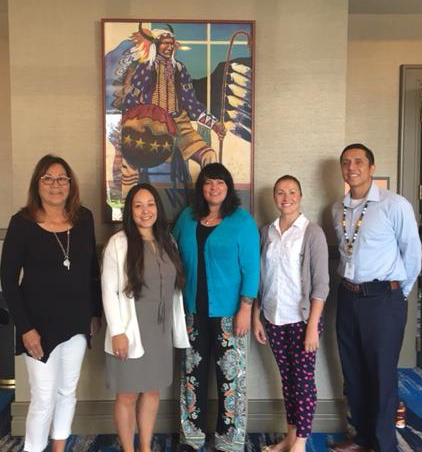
column 208, row 220
column 66, row 261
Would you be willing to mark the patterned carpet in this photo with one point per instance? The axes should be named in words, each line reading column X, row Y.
column 163, row 443
column 409, row 438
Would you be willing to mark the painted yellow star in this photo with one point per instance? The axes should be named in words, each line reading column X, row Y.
column 127, row 140
column 166, row 146
column 140, row 143
column 154, row 146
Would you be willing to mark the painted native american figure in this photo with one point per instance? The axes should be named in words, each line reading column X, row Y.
column 158, row 105
column 155, row 114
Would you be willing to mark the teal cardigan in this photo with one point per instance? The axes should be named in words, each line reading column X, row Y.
column 231, row 261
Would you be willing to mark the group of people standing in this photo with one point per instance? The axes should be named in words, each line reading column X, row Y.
column 202, row 287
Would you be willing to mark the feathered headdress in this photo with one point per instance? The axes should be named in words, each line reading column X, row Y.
column 147, row 41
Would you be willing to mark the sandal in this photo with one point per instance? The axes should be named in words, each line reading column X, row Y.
column 270, row 448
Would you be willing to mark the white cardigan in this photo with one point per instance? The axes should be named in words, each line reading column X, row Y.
column 120, row 310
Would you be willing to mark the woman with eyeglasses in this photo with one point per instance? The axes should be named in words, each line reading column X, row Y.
column 50, row 280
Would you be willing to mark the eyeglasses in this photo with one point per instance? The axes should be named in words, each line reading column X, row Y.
column 61, row 180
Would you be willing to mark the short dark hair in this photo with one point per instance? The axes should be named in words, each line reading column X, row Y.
column 34, row 203
column 214, row 171
column 135, row 250
column 288, row 177
column 369, row 154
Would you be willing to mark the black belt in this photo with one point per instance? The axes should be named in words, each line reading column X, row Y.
column 371, row 288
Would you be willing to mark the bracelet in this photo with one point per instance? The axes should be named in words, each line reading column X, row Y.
column 246, row 300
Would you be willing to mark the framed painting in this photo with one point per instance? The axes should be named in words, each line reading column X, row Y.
column 177, row 95
column 383, row 182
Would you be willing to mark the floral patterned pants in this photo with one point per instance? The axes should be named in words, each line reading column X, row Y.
column 209, row 335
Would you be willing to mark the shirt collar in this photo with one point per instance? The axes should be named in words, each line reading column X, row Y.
column 373, row 195
column 299, row 223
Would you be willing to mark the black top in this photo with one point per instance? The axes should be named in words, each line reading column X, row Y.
column 57, row 302
column 202, row 233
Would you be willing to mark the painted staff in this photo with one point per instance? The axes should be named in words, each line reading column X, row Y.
column 224, row 85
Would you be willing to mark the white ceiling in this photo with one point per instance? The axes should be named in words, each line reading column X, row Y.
column 385, row 7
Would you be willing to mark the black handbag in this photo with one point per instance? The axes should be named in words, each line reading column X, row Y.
column 4, row 316
column 4, row 313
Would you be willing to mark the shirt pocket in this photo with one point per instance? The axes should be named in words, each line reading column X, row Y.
column 270, row 249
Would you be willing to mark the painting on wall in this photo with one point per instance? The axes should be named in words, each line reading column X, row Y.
column 177, row 95
column 383, row 182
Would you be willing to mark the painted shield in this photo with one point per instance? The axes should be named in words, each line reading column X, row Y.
column 148, row 134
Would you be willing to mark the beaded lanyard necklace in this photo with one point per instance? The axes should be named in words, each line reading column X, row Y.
column 350, row 241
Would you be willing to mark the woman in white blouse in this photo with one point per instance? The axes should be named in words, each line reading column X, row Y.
column 294, row 286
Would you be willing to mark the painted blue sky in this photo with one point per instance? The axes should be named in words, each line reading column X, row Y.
column 195, row 58
column 223, row 32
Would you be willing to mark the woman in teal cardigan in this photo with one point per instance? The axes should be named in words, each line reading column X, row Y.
column 219, row 246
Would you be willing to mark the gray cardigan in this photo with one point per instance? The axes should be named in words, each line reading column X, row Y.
column 314, row 265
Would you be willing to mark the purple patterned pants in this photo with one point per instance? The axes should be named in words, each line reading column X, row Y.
column 297, row 369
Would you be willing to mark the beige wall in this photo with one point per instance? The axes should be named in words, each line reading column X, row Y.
column 5, row 126
column 378, row 45
column 300, row 118
column 300, row 84
column 307, row 106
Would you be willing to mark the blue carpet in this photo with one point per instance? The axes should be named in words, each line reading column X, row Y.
column 166, row 443
column 410, row 391
column 6, row 397
column 409, row 438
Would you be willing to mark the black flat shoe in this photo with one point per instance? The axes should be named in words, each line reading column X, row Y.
column 185, row 448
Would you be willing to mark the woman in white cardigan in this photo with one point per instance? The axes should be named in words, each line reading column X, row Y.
column 141, row 281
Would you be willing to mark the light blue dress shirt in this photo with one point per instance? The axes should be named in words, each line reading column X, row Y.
column 387, row 246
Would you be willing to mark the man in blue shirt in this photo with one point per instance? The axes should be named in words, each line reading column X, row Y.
column 380, row 259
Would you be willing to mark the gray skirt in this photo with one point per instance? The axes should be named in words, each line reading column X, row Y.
column 154, row 369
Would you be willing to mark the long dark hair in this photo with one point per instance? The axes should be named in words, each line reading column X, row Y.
column 135, row 245
column 34, row 205
column 200, row 206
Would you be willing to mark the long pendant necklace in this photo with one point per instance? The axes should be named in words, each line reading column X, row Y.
column 350, row 241
column 161, row 307
column 66, row 261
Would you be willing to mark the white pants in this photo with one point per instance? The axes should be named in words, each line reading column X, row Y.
column 53, row 387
